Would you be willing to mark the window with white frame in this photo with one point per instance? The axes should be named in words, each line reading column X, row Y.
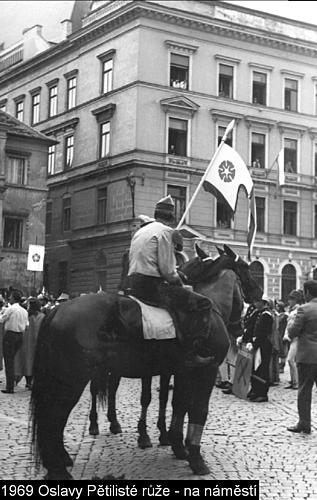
column 179, row 71
column 36, row 108
column 257, row 150
column 290, row 156
column 178, row 193
column 66, row 213
column 19, row 110
column 177, row 136
column 221, row 133
column 69, row 151
column 71, row 92
column 225, row 80
column 102, row 196
column 259, row 88
column 260, row 214
column 51, row 159
column 107, row 75
column 52, row 101
column 290, row 218
column 17, row 172
column 291, row 94
column 104, row 140
column 12, row 232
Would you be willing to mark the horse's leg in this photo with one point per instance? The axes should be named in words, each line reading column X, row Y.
column 197, row 415
column 52, row 412
column 144, row 440
column 93, row 415
column 161, row 423
column 180, row 405
column 115, row 427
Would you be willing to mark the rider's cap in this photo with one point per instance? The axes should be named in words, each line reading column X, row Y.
column 166, row 203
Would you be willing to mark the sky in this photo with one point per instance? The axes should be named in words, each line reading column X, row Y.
column 19, row 14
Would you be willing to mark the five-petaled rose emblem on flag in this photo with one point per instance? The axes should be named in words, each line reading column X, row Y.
column 226, row 171
column 36, row 257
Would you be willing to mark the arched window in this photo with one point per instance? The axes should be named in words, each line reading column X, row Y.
column 101, row 269
column 288, row 280
column 257, row 271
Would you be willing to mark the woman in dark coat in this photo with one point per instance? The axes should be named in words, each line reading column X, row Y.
column 24, row 358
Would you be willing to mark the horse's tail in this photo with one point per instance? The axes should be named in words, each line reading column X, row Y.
column 100, row 385
column 42, row 378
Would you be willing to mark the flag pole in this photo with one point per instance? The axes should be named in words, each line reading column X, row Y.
column 227, row 131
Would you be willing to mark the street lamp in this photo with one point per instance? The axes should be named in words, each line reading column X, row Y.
column 131, row 181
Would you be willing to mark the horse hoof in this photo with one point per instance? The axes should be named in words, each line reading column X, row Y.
column 198, row 465
column 94, row 431
column 115, row 428
column 144, row 442
column 180, row 452
column 176, row 442
column 163, row 439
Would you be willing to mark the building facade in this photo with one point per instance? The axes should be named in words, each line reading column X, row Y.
column 137, row 101
column 23, row 167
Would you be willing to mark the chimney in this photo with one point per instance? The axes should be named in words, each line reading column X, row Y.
column 31, row 32
column 66, row 28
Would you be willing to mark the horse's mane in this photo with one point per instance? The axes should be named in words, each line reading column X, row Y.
column 207, row 272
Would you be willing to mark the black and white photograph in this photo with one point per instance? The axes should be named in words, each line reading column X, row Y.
column 158, row 247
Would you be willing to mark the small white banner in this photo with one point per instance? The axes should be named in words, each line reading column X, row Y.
column 36, row 258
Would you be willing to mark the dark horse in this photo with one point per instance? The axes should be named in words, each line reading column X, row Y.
column 144, row 440
column 79, row 341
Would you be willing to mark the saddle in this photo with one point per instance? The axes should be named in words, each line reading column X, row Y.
column 138, row 321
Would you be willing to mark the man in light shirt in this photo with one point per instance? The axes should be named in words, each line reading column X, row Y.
column 153, row 276
column 15, row 319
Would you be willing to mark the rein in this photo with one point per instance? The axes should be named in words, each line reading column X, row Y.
column 207, row 278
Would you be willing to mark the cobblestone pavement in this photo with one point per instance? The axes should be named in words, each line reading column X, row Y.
column 242, row 440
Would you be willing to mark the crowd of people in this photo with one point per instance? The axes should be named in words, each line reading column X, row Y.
column 279, row 334
column 266, row 326
column 20, row 320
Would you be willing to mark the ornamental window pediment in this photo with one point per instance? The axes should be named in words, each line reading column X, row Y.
column 182, row 104
column 181, row 47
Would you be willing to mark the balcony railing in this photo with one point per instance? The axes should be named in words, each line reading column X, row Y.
column 291, row 179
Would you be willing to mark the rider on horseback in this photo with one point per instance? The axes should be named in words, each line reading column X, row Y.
column 153, row 277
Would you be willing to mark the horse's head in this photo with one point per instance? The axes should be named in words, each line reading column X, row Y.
column 203, row 268
column 251, row 290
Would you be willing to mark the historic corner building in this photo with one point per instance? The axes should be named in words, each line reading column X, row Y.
column 137, row 100
column 23, row 166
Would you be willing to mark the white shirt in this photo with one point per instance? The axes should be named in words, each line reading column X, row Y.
column 15, row 318
column 152, row 251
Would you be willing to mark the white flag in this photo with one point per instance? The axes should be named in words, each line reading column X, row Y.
column 280, row 168
column 36, row 258
column 225, row 175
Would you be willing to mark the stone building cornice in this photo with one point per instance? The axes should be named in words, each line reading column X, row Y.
column 133, row 10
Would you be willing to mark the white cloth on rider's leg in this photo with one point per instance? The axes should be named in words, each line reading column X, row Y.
column 157, row 322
